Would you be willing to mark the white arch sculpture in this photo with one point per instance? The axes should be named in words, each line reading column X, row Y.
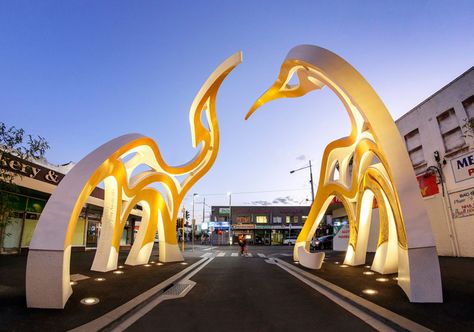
column 381, row 168
column 47, row 273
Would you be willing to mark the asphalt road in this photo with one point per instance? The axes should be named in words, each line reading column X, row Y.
column 248, row 294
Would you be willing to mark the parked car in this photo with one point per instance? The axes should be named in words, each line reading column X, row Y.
column 290, row 240
column 323, row 242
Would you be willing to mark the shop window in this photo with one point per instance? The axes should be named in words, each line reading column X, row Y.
column 450, row 131
column 287, row 219
column 469, row 107
column 277, row 220
column 414, row 148
column 261, row 219
column 242, row 219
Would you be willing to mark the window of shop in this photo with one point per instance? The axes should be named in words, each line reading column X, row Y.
column 277, row 220
column 469, row 107
column 261, row 219
column 415, row 148
column 450, row 131
column 242, row 219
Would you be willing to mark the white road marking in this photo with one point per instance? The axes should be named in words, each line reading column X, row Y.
column 111, row 316
column 315, row 282
column 150, row 306
column 78, row 277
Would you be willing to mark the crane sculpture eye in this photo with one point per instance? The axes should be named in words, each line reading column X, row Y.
column 114, row 163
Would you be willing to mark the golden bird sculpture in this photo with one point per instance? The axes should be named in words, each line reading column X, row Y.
column 372, row 161
column 114, row 164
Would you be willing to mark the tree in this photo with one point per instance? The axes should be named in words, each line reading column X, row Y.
column 14, row 142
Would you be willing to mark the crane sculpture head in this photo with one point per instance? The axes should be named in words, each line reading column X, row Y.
column 115, row 164
column 372, row 163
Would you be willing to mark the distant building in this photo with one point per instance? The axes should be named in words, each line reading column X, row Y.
column 269, row 225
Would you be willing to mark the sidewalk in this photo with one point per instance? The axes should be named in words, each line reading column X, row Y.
column 456, row 313
column 114, row 291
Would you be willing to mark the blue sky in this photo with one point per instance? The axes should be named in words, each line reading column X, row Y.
column 83, row 72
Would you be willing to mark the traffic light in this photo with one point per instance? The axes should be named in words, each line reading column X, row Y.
column 187, row 215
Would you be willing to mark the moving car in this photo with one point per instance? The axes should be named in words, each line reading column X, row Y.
column 290, row 240
column 323, row 242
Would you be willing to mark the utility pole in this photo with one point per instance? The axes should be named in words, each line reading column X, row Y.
column 310, row 178
column 182, row 240
column 193, row 221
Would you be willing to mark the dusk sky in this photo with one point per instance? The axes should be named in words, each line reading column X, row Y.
column 80, row 73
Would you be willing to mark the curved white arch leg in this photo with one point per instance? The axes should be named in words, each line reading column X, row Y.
column 310, row 260
column 106, row 255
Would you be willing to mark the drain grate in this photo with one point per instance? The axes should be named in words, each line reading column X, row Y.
column 177, row 289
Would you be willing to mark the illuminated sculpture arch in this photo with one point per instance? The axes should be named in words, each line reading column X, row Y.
column 47, row 275
column 380, row 167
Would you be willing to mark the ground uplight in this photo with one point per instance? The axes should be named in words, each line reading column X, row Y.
column 90, row 300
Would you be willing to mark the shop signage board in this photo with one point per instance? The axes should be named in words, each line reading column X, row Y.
column 225, row 210
column 462, row 203
column 341, row 237
column 244, row 226
column 463, row 167
column 428, row 185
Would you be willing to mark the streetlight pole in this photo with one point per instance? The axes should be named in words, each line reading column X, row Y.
column 310, row 178
column 203, row 209
column 193, row 221
column 230, row 217
column 184, row 218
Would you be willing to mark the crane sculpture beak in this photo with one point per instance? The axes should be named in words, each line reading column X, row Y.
column 283, row 89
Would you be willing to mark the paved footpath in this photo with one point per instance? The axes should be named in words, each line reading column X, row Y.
column 218, row 290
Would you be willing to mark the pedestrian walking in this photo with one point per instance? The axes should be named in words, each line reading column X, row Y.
column 243, row 245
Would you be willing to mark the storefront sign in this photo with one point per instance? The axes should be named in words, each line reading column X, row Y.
column 225, row 210
column 243, row 226
column 428, row 185
column 219, row 224
column 341, row 237
column 263, row 226
column 462, row 203
column 26, row 168
column 463, row 167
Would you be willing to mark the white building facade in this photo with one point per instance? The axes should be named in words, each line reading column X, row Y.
column 440, row 143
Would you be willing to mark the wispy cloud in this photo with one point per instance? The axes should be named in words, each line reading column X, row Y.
column 284, row 200
column 260, row 203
